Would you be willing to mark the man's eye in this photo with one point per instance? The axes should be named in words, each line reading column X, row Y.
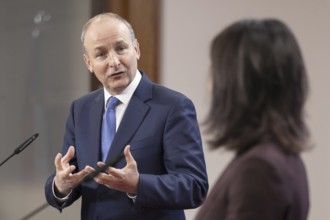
column 120, row 49
column 100, row 55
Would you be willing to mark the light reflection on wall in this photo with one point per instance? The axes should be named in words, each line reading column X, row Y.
column 41, row 73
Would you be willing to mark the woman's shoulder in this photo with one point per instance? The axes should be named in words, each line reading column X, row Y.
column 270, row 158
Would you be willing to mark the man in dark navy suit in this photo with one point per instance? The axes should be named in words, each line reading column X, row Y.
column 157, row 166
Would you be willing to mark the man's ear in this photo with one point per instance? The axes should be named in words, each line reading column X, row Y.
column 88, row 63
column 137, row 49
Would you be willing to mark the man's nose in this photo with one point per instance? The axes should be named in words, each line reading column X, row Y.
column 113, row 60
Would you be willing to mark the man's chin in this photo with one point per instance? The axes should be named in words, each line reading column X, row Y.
column 116, row 87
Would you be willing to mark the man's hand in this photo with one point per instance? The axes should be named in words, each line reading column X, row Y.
column 65, row 180
column 125, row 179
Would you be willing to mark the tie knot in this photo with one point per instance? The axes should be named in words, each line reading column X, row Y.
column 112, row 102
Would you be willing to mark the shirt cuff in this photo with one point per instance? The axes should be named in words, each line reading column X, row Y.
column 61, row 200
column 131, row 196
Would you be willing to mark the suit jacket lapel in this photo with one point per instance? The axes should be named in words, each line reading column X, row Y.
column 96, row 115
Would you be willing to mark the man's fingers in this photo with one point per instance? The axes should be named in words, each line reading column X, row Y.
column 68, row 156
column 57, row 162
column 89, row 169
column 81, row 175
column 108, row 169
column 69, row 170
column 102, row 178
column 100, row 164
column 62, row 162
column 128, row 156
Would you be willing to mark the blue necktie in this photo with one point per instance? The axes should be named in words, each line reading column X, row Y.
column 109, row 126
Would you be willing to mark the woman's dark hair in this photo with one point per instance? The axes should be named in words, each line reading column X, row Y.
column 259, row 87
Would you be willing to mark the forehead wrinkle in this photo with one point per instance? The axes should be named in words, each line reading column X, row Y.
column 99, row 32
column 100, row 37
column 110, row 26
column 102, row 44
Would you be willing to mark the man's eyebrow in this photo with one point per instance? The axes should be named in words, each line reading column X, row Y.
column 98, row 48
column 120, row 42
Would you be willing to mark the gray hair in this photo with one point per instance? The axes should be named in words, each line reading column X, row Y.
column 106, row 15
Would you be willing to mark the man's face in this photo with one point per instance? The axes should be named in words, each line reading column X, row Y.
column 111, row 54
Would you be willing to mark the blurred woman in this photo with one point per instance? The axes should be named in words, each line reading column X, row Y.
column 259, row 88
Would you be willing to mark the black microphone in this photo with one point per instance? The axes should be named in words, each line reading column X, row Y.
column 99, row 170
column 21, row 147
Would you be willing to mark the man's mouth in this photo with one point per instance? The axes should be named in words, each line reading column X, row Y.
column 115, row 73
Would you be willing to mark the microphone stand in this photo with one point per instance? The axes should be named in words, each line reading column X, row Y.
column 36, row 211
column 18, row 150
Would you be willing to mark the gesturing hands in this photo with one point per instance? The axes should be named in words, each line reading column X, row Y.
column 125, row 179
column 65, row 180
